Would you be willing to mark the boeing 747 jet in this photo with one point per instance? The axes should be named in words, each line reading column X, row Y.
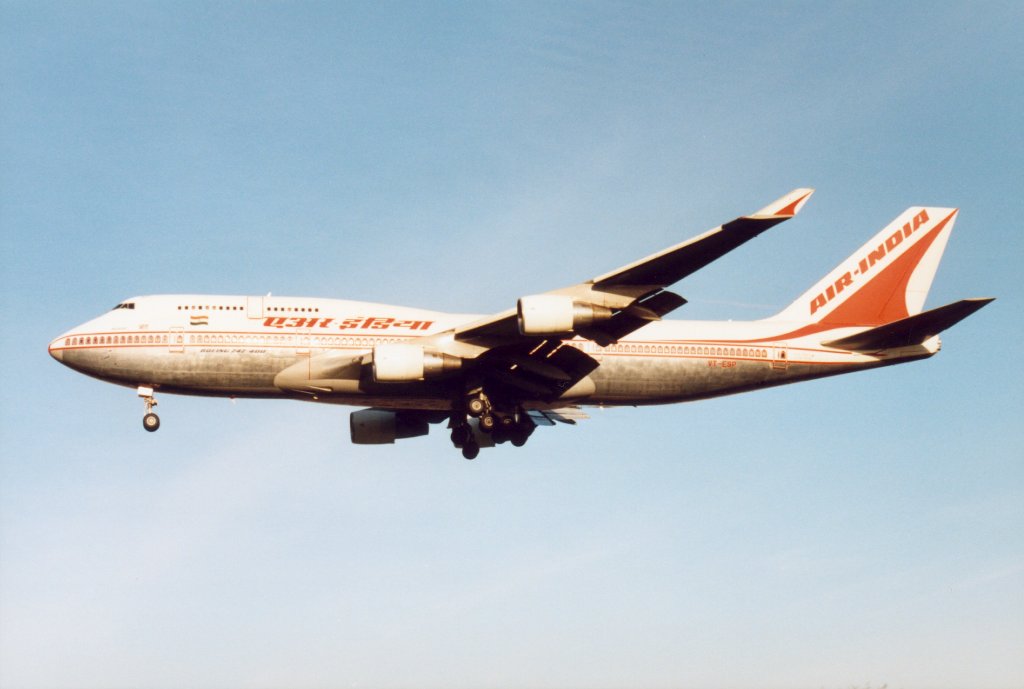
column 495, row 379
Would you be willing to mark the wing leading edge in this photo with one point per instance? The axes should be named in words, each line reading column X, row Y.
column 636, row 294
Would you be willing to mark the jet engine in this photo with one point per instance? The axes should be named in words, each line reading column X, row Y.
column 383, row 427
column 408, row 363
column 557, row 314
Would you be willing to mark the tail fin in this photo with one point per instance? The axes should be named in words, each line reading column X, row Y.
column 885, row 280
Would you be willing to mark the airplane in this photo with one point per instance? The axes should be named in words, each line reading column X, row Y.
column 496, row 378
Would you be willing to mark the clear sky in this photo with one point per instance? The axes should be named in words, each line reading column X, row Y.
column 863, row 530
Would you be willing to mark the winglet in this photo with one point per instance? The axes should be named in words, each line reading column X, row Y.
column 787, row 206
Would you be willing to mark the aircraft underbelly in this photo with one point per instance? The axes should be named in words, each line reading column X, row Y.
column 643, row 380
column 198, row 372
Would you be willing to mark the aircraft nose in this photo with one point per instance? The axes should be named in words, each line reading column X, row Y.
column 56, row 349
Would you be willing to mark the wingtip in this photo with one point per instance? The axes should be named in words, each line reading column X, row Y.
column 787, row 206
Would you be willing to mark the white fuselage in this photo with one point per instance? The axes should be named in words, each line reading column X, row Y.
column 237, row 346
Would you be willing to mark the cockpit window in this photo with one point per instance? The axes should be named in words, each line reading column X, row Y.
column 124, row 305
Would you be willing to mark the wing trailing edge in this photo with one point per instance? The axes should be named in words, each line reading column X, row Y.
column 567, row 415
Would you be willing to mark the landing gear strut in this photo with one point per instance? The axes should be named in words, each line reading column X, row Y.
column 150, row 421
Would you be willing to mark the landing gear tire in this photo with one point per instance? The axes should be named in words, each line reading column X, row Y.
column 150, row 421
column 476, row 406
column 461, row 435
column 470, row 450
column 488, row 423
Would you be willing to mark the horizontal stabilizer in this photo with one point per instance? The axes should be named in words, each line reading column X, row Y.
column 910, row 331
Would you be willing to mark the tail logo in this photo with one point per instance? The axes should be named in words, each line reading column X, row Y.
column 867, row 263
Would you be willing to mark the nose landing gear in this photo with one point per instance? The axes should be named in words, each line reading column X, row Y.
column 150, row 421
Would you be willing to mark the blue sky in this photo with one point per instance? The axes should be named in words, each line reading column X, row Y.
column 861, row 530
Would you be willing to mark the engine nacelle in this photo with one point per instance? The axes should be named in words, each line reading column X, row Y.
column 408, row 363
column 557, row 314
column 383, row 427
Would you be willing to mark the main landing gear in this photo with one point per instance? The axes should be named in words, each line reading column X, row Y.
column 150, row 421
column 478, row 406
column 481, row 424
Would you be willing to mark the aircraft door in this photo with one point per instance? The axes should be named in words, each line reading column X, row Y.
column 176, row 339
column 780, row 356
column 302, row 341
column 254, row 307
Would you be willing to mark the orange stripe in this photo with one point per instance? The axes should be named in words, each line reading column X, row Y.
column 791, row 208
column 883, row 299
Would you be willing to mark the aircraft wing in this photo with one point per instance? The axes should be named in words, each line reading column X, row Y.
column 631, row 296
column 530, row 352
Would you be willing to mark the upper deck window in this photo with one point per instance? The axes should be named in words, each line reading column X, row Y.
column 193, row 307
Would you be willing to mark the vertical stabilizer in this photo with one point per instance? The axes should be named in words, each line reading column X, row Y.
column 885, row 280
